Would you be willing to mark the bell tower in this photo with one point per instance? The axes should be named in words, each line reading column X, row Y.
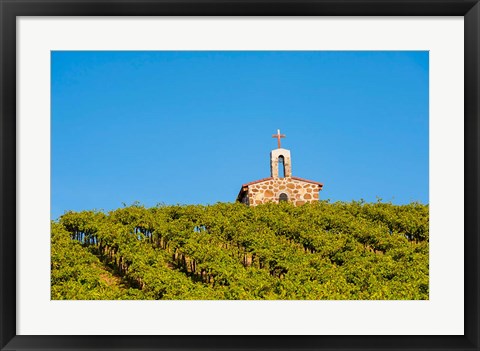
column 280, row 160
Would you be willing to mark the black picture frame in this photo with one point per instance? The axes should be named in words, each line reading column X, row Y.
column 10, row 10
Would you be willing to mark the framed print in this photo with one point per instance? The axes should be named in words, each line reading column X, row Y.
column 326, row 246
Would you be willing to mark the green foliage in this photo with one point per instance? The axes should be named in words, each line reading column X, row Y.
column 77, row 274
column 317, row 251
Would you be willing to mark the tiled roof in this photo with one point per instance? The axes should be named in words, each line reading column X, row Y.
column 270, row 178
column 257, row 181
column 308, row 181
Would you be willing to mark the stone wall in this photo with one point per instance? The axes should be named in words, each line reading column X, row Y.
column 298, row 192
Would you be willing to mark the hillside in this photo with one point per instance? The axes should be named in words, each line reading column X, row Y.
column 317, row 251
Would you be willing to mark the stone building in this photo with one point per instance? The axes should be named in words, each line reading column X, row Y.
column 281, row 185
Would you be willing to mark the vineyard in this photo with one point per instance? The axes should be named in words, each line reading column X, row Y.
column 339, row 251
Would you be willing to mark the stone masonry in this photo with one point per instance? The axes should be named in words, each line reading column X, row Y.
column 297, row 190
column 281, row 185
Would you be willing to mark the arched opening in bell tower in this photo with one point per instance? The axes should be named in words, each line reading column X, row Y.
column 281, row 166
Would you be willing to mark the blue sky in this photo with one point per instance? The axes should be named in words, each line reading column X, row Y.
column 191, row 127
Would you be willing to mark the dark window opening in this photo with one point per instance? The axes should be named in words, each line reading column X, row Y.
column 283, row 197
